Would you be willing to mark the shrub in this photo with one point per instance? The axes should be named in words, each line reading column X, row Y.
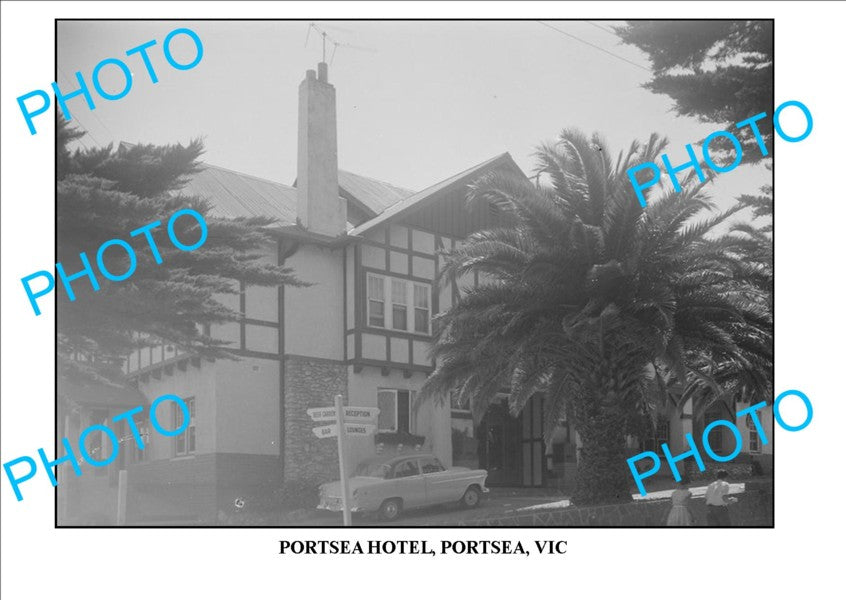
column 298, row 493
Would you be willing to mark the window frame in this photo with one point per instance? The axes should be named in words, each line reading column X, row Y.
column 662, row 424
column 756, row 449
column 427, row 296
column 422, row 461
column 455, row 409
column 396, row 399
column 138, row 454
column 413, row 461
column 396, row 302
column 190, row 431
column 709, row 417
column 371, row 298
column 409, row 303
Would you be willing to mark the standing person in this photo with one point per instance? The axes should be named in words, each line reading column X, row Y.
column 716, row 502
column 680, row 513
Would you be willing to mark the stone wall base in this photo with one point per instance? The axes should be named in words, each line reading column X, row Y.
column 310, row 383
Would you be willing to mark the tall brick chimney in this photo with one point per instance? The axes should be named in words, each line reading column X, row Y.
column 319, row 208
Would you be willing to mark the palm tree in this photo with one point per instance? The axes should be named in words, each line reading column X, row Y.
column 747, row 376
column 586, row 296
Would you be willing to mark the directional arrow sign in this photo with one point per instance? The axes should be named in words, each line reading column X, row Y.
column 351, row 413
column 325, row 431
column 360, row 413
column 358, row 428
column 323, row 414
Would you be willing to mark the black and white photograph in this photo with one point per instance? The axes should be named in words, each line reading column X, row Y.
column 433, row 225
column 419, row 298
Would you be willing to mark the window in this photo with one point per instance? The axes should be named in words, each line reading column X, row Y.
column 398, row 294
column 754, row 442
column 379, row 470
column 407, row 468
column 662, row 432
column 421, row 308
column 660, row 435
column 186, row 442
column 431, row 465
column 375, row 301
column 559, row 453
column 715, row 436
column 138, row 454
column 394, row 410
column 399, row 304
column 455, row 405
column 754, row 439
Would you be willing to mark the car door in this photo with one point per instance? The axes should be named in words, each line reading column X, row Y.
column 409, row 483
column 439, row 484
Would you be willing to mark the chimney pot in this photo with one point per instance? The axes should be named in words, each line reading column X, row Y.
column 311, row 74
column 323, row 72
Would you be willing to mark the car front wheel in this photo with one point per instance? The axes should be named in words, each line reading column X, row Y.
column 471, row 498
column 390, row 509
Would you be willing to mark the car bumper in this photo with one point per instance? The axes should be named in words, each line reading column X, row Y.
column 336, row 505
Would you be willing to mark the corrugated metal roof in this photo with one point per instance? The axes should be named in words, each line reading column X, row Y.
column 374, row 194
column 235, row 194
column 89, row 393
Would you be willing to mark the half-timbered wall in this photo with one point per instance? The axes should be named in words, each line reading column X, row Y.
column 392, row 294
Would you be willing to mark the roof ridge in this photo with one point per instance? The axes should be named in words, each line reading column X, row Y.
column 241, row 173
column 382, row 181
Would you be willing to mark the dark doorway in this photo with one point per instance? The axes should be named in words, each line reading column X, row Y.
column 511, row 449
column 532, row 442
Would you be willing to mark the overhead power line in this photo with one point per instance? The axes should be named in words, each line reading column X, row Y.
column 611, row 31
column 600, row 48
column 92, row 113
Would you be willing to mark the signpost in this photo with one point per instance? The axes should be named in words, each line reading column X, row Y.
column 359, row 414
column 345, row 484
column 325, row 431
column 348, row 420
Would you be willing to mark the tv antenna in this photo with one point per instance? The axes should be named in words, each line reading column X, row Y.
column 335, row 43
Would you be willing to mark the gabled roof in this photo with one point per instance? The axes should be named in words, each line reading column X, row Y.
column 421, row 199
column 235, row 194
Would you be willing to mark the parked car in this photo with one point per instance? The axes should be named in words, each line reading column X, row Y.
column 389, row 486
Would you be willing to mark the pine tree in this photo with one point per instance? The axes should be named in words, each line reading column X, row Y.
column 105, row 193
column 717, row 71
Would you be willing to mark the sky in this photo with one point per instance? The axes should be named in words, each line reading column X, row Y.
column 418, row 101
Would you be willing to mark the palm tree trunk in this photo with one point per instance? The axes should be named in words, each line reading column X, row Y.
column 603, row 475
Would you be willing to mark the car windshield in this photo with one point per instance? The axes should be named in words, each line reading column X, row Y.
column 379, row 470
